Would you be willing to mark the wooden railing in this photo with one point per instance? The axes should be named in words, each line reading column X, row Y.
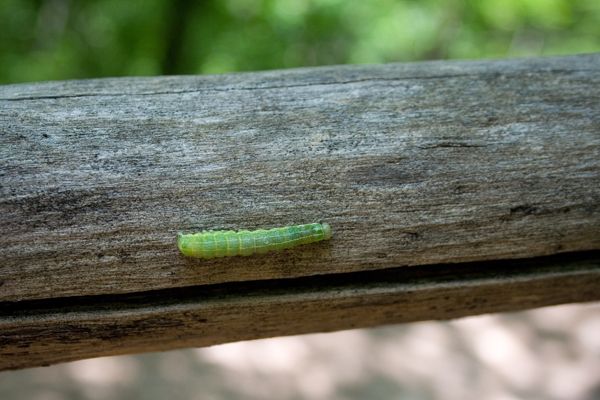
column 453, row 188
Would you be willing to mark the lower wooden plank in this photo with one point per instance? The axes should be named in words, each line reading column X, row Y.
column 37, row 333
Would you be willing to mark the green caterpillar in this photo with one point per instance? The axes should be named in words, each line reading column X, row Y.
column 213, row 244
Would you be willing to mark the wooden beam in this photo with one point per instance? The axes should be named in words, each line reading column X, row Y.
column 35, row 333
column 411, row 164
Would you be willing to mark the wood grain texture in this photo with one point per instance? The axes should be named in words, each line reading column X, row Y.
column 35, row 333
column 411, row 164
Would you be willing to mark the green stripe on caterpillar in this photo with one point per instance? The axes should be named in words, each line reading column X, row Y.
column 214, row 244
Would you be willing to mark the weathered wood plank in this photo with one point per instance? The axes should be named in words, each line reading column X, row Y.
column 35, row 333
column 411, row 164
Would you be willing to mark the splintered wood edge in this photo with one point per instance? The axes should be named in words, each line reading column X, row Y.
column 38, row 333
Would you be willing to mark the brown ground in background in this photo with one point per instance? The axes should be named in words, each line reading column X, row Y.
column 549, row 353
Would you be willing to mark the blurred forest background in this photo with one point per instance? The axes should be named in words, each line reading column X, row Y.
column 550, row 353
column 66, row 39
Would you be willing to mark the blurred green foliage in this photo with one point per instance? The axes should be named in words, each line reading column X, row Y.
column 62, row 39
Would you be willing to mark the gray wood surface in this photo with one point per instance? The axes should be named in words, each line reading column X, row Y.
column 43, row 333
column 411, row 164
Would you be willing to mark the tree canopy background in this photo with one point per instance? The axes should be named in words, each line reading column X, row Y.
column 62, row 39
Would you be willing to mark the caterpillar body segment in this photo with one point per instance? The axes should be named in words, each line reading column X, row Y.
column 215, row 244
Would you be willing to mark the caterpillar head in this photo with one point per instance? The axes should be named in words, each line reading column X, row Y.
column 327, row 233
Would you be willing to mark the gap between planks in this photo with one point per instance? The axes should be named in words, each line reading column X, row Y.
column 43, row 332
